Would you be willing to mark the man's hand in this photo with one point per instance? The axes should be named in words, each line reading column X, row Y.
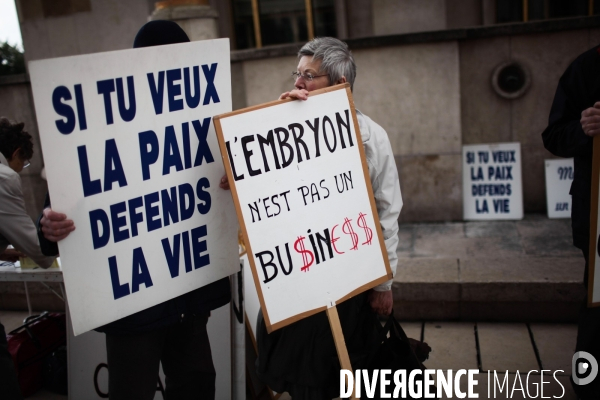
column 590, row 120
column 56, row 226
column 381, row 302
column 224, row 183
column 11, row 255
column 298, row 94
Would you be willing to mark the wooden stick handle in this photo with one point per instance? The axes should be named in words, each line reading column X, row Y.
column 340, row 343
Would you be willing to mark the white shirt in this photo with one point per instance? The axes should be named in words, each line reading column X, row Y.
column 386, row 186
column 16, row 227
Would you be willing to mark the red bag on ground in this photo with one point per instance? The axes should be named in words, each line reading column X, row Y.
column 31, row 343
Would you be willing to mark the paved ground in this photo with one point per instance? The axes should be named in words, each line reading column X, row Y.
column 521, row 271
column 455, row 281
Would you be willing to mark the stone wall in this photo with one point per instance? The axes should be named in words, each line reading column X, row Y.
column 413, row 92
column 57, row 29
column 488, row 118
column 432, row 93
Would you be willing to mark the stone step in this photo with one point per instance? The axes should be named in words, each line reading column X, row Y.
column 489, row 288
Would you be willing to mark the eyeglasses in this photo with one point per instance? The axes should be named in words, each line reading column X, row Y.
column 26, row 164
column 307, row 77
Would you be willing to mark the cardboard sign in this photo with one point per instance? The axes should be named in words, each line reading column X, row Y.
column 559, row 177
column 594, row 255
column 303, row 196
column 492, row 181
column 132, row 157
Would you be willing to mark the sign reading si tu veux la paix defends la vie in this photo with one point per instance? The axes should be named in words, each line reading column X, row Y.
column 302, row 192
column 492, row 186
column 132, row 157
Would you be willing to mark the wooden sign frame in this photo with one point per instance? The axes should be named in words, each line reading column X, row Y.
column 594, row 224
column 228, row 169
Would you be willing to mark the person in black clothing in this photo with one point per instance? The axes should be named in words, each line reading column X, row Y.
column 173, row 332
column 574, row 121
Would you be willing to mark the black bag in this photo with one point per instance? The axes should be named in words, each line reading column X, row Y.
column 394, row 352
column 55, row 371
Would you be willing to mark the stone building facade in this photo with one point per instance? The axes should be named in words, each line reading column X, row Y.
column 424, row 73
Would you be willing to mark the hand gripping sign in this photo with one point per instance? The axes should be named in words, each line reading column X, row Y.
column 132, row 157
column 303, row 196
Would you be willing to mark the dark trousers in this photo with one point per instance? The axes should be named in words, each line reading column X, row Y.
column 183, row 349
column 588, row 339
column 9, row 386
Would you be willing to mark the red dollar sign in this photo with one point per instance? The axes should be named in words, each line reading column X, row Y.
column 347, row 228
column 306, row 254
column 363, row 224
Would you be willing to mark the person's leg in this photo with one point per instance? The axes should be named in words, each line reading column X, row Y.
column 8, row 376
column 187, row 361
column 133, row 364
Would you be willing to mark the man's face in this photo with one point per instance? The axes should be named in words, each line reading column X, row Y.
column 308, row 66
column 17, row 163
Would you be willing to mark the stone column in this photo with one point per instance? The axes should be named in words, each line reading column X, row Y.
column 196, row 17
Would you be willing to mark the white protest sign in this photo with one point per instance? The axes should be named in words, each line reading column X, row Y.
column 132, row 157
column 559, row 177
column 492, row 186
column 303, row 196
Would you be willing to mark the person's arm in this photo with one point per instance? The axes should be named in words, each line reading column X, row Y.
column 48, row 247
column 11, row 255
column 15, row 225
column 52, row 227
column 55, row 226
column 565, row 136
column 388, row 200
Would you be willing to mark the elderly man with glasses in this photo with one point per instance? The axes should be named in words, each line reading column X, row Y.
column 301, row 358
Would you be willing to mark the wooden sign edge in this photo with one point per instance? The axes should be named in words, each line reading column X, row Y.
column 223, row 148
column 593, row 222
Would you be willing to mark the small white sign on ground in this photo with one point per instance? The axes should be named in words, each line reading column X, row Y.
column 492, row 188
column 304, row 200
column 132, row 157
column 559, row 177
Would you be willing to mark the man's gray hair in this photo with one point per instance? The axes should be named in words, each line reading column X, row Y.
column 336, row 58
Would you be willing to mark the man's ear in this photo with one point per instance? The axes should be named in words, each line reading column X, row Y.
column 341, row 80
column 14, row 154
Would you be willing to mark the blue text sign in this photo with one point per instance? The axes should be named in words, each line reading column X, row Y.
column 132, row 157
column 492, row 188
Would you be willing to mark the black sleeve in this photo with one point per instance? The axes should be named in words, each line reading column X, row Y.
column 564, row 136
column 49, row 248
